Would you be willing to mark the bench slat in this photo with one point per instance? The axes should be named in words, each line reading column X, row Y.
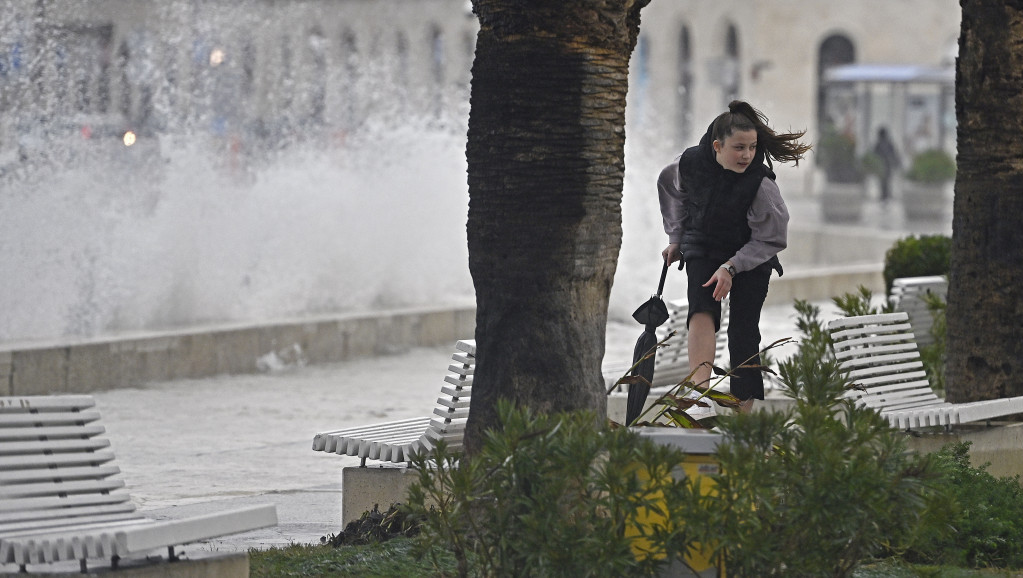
column 451, row 414
column 17, row 448
column 57, row 474
column 15, row 491
column 13, row 524
column 54, row 432
column 77, row 522
column 54, row 460
column 878, row 347
column 45, row 403
column 47, row 419
column 28, row 506
column 462, row 369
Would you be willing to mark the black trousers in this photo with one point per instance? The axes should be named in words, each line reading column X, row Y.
column 745, row 302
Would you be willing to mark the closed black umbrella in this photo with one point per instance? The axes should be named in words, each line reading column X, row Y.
column 651, row 315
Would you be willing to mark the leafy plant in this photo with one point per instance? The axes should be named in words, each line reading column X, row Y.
column 933, row 354
column 673, row 407
column 817, row 490
column 395, row 558
column 836, row 154
column 985, row 514
column 916, row 257
column 932, row 166
column 861, row 303
column 552, row 496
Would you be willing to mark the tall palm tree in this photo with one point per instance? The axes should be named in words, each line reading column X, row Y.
column 545, row 152
column 985, row 298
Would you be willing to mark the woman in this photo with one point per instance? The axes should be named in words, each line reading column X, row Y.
column 725, row 218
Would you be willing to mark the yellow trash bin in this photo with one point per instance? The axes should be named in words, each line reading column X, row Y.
column 700, row 447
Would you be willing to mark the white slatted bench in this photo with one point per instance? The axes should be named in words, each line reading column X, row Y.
column 60, row 499
column 671, row 365
column 399, row 441
column 908, row 294
column 879, row 353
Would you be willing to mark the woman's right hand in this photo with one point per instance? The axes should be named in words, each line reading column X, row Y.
column 671, row 253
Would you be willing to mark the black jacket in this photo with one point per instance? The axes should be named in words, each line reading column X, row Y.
column 717, row 202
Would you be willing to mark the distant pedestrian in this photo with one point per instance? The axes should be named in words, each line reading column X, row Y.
column 884, row 148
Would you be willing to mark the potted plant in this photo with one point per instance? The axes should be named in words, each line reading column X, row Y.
column 925, row 195
column 844, row 189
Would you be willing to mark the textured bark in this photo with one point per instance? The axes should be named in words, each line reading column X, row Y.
column 545, row 159
column 985, row 302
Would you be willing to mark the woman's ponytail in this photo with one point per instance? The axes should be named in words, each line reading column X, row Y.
column 741, row 115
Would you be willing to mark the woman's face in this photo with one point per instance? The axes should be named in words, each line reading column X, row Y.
column 736, row 152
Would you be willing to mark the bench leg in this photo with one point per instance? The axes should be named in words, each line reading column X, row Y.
column 171, row 556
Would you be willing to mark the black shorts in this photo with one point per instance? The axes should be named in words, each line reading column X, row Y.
column 701, row 299
column 745, row 302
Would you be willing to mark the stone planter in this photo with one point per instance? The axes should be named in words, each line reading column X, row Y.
column 843, row 202
column 925, row 201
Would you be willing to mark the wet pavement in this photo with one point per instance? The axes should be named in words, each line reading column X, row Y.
column 194, row 446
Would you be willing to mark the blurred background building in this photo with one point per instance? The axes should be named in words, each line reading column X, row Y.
column 262, row 74
column 164, row 164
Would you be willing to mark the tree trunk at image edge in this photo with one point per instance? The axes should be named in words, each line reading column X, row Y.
column 985, row 297
column 545, row 152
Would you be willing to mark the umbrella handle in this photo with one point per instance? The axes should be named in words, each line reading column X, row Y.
column 664, row 273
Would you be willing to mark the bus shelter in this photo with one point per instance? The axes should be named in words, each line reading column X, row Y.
column 916, row 104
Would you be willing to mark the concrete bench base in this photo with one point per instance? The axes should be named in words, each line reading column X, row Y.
column 363, row 488
column 231, row 565
column 1000, row 444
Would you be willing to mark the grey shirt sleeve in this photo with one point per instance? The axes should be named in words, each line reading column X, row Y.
column 672, row 199
column 768, row 218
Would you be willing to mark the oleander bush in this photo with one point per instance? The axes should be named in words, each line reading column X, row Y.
column 551, row 495
column 984, row 514
column 818, row 490
column 815, row 491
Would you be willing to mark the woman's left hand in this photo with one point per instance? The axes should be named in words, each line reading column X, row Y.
column 722, row 282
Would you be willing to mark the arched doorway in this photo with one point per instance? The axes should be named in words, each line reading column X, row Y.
column 835, row 50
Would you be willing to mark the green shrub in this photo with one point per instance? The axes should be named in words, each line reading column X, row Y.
column 814, row 491
column 394, row 558
column 985, row 514
column 917, row 256
column 933, row 355
column 932, row 166
column 550, row 496
column 861, row 303
column 818, row 490
column 836, row 154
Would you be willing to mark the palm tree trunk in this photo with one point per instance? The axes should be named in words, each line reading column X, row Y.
column 545, row 159
column 985, row 300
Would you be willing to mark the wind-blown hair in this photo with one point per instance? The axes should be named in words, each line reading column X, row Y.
column 741, row 116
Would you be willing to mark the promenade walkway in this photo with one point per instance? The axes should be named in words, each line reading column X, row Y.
column 194, row 446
